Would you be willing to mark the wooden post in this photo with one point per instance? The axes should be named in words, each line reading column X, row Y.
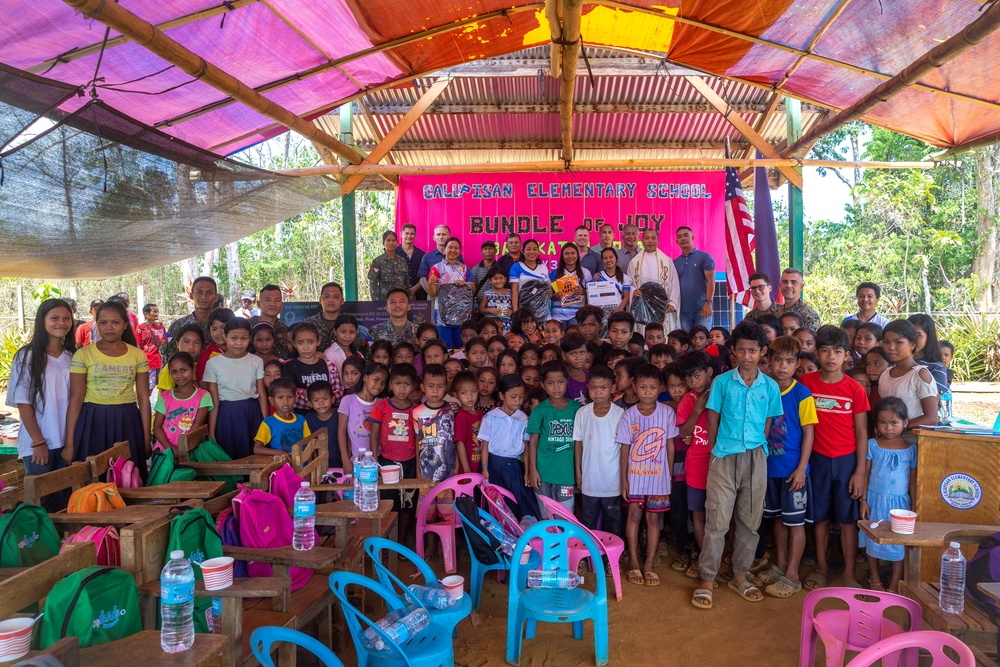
column 796, row 234
column 20, row 306
column 572, row 16
column 348, row 217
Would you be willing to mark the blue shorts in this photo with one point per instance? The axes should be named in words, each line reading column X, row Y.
column 655, row 504
column 791, row 506
column 696, row 499
column 830, row 497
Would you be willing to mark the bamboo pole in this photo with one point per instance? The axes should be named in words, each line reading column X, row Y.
column 943, row 53
column 146, row 35
column 594, row 165
column 572, row 17
column 552, row 13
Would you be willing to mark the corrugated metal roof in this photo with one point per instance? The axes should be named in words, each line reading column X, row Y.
column 515, row 118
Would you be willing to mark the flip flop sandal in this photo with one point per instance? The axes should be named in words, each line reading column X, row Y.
column 746, row 590
column 651, row 579
column 783, row 588
column 635, row 577
column 702, row 598
column 657, row 560
column 692, row 572
column 814, row 581
column 755, row 580
column 770, row 575
column 681, row 564
column 876, row 586
column 609, row 570
column 759, row 564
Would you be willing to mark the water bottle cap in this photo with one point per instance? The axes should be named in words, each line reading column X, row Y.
column 954, row 545
column 176, row 555
column 305, row 483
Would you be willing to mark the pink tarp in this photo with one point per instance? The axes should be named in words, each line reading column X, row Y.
column 288, row 40
column 549, row 207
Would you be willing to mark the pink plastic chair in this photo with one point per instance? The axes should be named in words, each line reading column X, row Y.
column 498, row 501
column 856, row 628
column 932, row 641
column 609, row 544
column 444, row 528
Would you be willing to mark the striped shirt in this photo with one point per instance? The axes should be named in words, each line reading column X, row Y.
column 647, row 439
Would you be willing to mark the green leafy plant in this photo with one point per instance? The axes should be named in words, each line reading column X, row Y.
column 45, row 291
column 977, row 350
column 10, row 342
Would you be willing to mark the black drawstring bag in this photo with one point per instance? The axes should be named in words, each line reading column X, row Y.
column 455, row 304
column 651, row 305
column 533, row 296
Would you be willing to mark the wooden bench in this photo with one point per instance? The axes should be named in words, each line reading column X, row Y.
column 311, row 456
column 35, row 583
column 74, row 476
column 243, row 467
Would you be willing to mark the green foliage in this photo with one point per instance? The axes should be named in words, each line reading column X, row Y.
column 11, row 341
column 45, row 291
column 976, row 338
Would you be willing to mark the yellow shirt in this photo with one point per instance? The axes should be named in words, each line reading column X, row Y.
column 110, row 380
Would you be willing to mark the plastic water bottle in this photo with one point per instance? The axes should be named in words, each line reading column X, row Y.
column 367, row 474
column 433, row 597
column 348, row 495
column 945, row 413
column 507, row 541
column 951, row 599
column 177, row 604
column 553, row 579
column 407, row 627
column 304, row 537
column 370, row 638
column 356, row 496
column 527, row 521
column 215, row 616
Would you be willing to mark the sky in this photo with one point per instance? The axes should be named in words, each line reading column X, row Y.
column 823, row 197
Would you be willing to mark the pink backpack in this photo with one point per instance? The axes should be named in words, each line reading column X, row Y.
column 265, row 524
column 105, row 539
column 285, row 483
column 124, row 474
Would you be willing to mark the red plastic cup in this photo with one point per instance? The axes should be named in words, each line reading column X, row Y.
column 454, row 585
column 902, row 521
column 15, row 638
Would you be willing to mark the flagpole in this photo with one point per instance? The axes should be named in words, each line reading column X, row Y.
column 732, row 312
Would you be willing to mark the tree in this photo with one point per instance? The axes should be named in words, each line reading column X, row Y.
column 987, row 263
column 841, row 144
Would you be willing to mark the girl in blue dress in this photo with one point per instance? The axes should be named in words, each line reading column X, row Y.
column 892, row 480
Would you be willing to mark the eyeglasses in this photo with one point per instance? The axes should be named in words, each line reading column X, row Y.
column 757, row 288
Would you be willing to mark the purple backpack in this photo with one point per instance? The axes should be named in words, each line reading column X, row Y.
column 264, row 523
column 229, row 531
column 984, row 567
column 285, row 483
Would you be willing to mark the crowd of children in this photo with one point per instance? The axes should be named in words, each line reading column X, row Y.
column 725, row 439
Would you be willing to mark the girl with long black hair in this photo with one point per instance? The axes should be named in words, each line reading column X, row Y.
column 107, row 381
column 39, row 389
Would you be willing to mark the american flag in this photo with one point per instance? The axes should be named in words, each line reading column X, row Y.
column 739, row 239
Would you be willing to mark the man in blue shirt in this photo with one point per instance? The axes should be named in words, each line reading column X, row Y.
column 696, row 273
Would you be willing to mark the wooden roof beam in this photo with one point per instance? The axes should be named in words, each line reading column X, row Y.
column 149, row 37
column 569, row 40
column 397, row 132
column 478, row 108
column 743, row 128
column 974, row 33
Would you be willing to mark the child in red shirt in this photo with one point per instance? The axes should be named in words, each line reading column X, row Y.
column 467, row 422
column 692, row 420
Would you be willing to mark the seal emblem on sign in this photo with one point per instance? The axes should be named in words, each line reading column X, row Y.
column 961, row 491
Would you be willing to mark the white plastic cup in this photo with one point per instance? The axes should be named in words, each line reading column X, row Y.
column 902, row 522
column 15, row 638
column 391, row 474
column 218, row 573
column 454, row 585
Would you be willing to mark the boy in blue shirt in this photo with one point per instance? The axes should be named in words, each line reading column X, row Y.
column 741, row 405
column 278, row 432
column 789, row 444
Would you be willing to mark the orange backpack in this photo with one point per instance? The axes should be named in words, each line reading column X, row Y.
column 98, row 497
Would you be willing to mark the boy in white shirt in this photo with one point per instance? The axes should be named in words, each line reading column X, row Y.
column 598, row 454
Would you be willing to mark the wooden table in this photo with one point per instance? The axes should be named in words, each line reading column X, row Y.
column 172, row 492
column 144, row 646
column 245, row 466
column 118, row 518
column 925, row 534
column 341, row 513
column 992, row 589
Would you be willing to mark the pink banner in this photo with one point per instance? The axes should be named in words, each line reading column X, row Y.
column 548, row 207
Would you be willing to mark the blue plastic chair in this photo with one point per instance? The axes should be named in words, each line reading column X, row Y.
column 431, row 647
column 479, row 569
column 447, row 618
column 263, row 638
column 526, row 605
